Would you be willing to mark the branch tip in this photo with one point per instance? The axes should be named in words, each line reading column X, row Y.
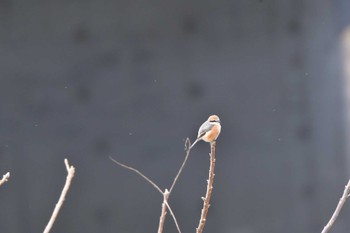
column 70, row 175
column 5, row 178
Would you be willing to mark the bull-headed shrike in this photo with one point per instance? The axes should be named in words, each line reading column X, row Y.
column 209, row 130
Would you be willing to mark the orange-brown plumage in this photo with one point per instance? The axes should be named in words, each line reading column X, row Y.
column 209, row 130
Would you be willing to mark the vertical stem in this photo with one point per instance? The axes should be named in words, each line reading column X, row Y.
column 206, row 199
column 162, row 215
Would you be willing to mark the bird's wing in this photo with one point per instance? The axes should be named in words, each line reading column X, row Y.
column 205, row 127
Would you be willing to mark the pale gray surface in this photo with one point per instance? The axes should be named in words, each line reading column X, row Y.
column 129, row 79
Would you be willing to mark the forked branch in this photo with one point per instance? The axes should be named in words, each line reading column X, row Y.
column 166, row 193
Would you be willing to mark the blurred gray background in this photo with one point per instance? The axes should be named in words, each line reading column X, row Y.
column 86, row 80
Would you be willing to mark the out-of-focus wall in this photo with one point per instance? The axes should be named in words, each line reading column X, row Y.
column 85, row 80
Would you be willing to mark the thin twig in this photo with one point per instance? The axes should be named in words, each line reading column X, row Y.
column 340, row 205
column 172, row 214
column 70, row 175
column 139, row 173
column 206, row 199
column 5, row 178
column 166, row 193
column 187, row 148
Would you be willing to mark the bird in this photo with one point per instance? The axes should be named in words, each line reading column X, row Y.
column 209, row 130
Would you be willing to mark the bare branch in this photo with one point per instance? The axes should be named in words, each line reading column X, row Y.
column 187, row 148
column 139, row 173
column 5, row 178
column 340, row 205
column 165, row 196
column 167, row 192
column 163, row 213
column 70, row 175
column 206, row 199
column 173, row 215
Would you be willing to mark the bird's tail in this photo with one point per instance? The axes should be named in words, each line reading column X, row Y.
column 194, row 143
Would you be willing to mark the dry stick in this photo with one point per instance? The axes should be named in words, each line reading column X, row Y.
column 340, row 205
column 165, row 194
column 5, row 178
column 139, row 173
column 163, row 213
column 70, row 175
column 187, row 148
column 206, row 199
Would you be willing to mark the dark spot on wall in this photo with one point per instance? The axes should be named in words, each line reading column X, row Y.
column 194, row 90
column 189, row 25
column 294, row 27
column 83, row 94
column 297, row 60
column 304, row 133
column 80, row 35
column 102, row 215
column 102, row 146
column 308, row 191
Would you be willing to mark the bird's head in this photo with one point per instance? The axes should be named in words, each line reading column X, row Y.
column 214, row 118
